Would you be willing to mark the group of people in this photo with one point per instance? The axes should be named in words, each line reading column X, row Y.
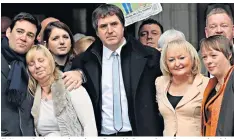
column 119, row 86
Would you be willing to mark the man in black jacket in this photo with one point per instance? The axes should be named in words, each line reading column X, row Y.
column 16, row 103
column 119, row 65
column 219, row 21
column 149, row 33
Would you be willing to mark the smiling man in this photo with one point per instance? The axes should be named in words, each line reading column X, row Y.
column 16, row 103
column 120, row 75
column 149, row 32
column 219, row 21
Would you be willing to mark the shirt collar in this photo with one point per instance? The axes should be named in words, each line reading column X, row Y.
column 107, row 52
column 233, row 48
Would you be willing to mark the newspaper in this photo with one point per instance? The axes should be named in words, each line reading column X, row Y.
column 134, row 12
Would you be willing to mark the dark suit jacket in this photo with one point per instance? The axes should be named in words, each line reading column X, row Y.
column 222, row 120
column 140, row 67
column 14, row 121
column 225, row 125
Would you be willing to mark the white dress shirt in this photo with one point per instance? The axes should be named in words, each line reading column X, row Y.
column 107, row 94
column 233, row 48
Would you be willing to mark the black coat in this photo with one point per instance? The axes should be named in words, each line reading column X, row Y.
column 225, row 125
column 14, row 121
column 140, row 67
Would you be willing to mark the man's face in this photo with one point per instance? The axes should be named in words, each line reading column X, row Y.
column 22, row 36
column 44, row 23
column 110, row 31
column 149, row 35
column 220, row 24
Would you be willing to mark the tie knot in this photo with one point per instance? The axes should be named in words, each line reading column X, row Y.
column 115, row 54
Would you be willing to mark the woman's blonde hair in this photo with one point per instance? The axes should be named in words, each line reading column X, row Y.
column 32, row 85
column 83, row 44
column 196, row 68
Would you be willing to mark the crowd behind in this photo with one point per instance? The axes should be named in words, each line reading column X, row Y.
column 54, row 83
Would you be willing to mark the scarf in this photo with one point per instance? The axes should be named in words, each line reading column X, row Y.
column 17, row 78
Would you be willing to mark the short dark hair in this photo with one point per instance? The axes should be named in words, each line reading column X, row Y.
column 28, row 17
column 106, row 9
column 226, row 7
column 57, row 24
column 149, row 22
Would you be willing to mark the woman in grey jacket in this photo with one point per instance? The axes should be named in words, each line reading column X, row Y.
column 56, row 111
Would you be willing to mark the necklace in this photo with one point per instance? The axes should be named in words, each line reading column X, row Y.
column 46, row 96
column 46, row 99
column 217, row 87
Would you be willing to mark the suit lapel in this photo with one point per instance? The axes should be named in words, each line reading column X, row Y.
column 189, row 95
column 137, row 66
column 210, row 86
column 125, row 65
column 93, row 71
column 164, row 90
column 92, row 64
column 192, row 92
column 5, row 67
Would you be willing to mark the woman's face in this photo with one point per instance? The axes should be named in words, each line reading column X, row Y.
column 59, row 42
column 215, row 61
column 40, row 67
column 178, row 61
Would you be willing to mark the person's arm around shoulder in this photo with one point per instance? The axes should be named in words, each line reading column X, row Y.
column 84, row 109
column 75, row 77
column 77, row 62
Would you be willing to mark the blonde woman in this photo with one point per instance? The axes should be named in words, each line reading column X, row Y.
column 180, row 89
column 57, row 111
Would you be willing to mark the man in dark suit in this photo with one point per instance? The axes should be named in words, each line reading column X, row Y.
column 149, row 33
column 219, row 21
column 120, row 75
column 16, row 104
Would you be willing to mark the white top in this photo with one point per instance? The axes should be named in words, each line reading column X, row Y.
column 233, row 48
column 84, row 110
column 107, row 94
column 47, row 122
